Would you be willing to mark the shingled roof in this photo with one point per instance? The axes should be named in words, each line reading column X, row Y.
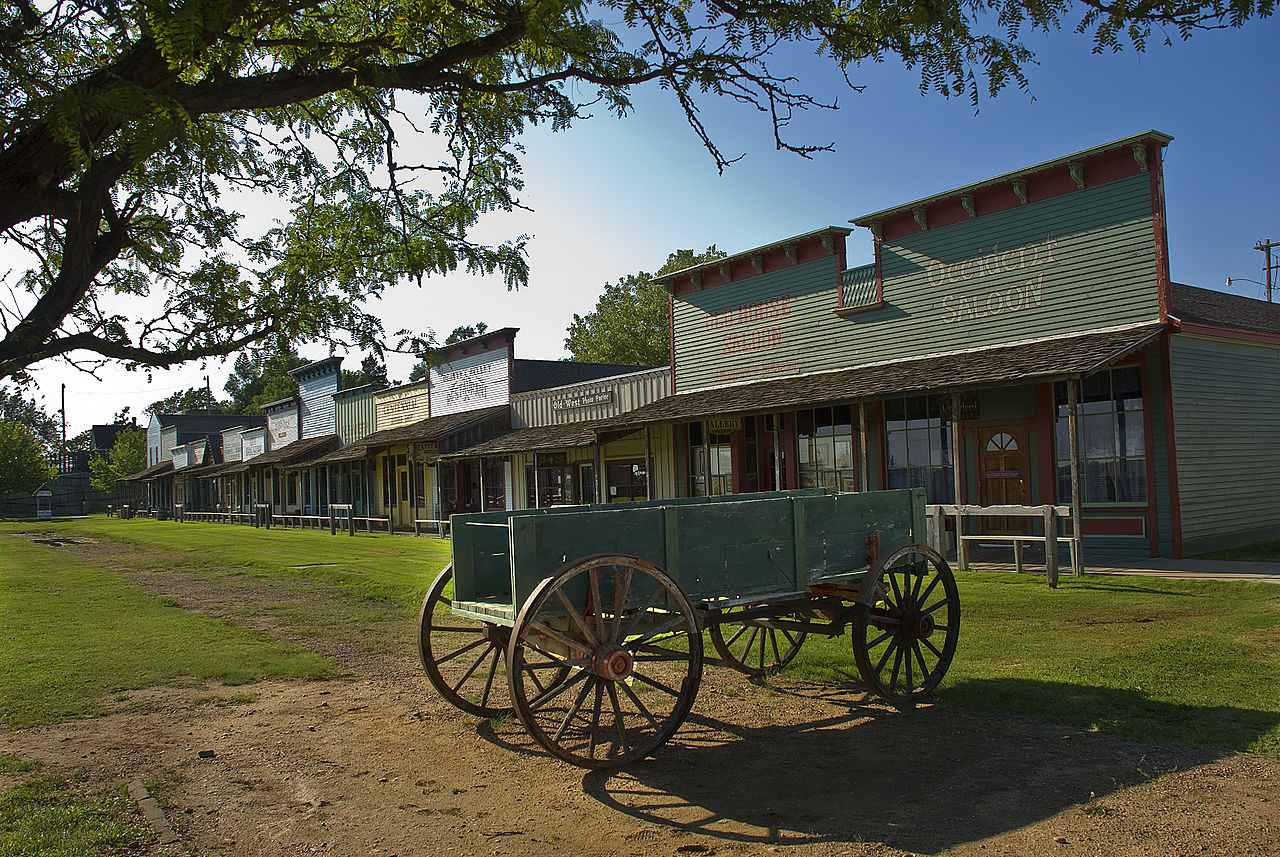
column 298, row 452
column 532, row 438
column 430, row 428
column 1039, row 361
column 1219, row 309
column 151, row 472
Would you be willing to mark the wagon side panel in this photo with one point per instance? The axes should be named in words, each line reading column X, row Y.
column 834, row 534
column 727, row 550
column 543, row 544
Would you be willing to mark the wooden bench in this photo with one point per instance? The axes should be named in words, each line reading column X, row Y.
column 1018, row 541
column 442, row 526
column 1049, row 515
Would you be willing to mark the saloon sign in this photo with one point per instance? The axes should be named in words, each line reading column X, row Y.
column 1026, row 262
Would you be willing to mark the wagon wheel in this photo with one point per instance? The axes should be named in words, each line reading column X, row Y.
column 465, row 660
column 630, row 639
column 753, row 646
column 906, row 626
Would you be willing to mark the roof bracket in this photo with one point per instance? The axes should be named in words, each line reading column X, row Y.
column 1077, row 174
column 696, row 279
column 1020, row 189
column 790, row 251
column 727, row 272
column 921, row 220
column 966, row 200
column 757, row 262
column 1140, row 155
column 829, row 244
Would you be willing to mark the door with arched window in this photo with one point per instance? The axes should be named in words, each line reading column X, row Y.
column 1002, row 475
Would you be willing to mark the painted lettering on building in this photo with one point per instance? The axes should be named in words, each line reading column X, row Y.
column 602, row 397
column 752, row 372
column 750, row 313
column 1026, row 257
column 956, row 307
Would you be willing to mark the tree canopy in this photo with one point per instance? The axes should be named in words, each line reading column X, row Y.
column 263, row 377
column 17, row 408
column 129, row 129
column 128, row 455
column 23, row 467
column 191, row 399
column 427, row 359
column 630, row 323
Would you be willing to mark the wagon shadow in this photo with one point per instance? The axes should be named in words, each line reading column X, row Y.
column 922, row 781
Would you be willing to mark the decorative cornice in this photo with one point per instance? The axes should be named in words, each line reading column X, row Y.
column 1140, row 155
column 1020, row 190
column 757, row 262
column 920, row 218
column 726, row 271
column 967, row 202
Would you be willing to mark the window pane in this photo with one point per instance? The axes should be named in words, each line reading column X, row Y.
column 896, row 443
column 844, row 451
column 917, row 412
column 1097, row 438
column 917, row 447
column 898, row 478
column 894, row 412
column 1097, row 387
column 1099, row 483
column 1131, row 480
column 1132, row 441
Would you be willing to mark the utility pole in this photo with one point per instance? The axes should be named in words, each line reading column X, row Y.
column 1265, row 247
column 62, row 456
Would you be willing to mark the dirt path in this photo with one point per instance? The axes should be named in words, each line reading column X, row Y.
column 366, row 767
column 380, row 766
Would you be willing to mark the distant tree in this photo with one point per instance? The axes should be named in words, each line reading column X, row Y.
column 263, row 377
column 193, row 399
column 128, row 455
column 629, row 323
column 16, row 408
column 23, row 467
column 81, row 442
column 372, row 371
column 427, row 359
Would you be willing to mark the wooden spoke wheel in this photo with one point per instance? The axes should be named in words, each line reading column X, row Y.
column 906, row 627
column 465, row 660
column 626, row 641
column 755, row 646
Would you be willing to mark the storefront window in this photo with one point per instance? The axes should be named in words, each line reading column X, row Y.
column 825, row 440
column 918, row 447
column 711, row 475
column 554, row 486
column 627, row 481
column 1113, row 451
column 447, row 474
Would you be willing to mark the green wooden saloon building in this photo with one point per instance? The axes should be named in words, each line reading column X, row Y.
column 951, row 361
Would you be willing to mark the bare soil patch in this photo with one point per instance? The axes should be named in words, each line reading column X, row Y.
column 378, row 765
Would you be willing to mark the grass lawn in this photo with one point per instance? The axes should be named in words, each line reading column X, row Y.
column 75, row 633
column 1191, row 663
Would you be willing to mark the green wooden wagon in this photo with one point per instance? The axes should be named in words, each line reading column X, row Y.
column 588, row 622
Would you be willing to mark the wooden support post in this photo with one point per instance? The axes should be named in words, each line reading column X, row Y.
column 957, row 456
column 537, row 495
column 864, row 463
column 484, row 494
column 777, row 452
column 648, row 464
column 1077, row 502
column 962, row 545
column 351, row 520
column 333, row 522
column 599, row 469
column 1051, row 545
column 937, row 518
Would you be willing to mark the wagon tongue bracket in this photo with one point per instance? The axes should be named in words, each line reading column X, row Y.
column 613, row 662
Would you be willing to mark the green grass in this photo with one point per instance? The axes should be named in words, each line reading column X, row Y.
column 1169, row 661
column 48, row 816
column 75, row 634
column 1175, row 662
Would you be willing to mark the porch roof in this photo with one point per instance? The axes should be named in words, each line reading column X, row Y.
column 294, row 453
column 532, row 439
column 430, row 428
column 155, row 470
column 1039, row 360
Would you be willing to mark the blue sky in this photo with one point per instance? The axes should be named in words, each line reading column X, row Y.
column 612, row 197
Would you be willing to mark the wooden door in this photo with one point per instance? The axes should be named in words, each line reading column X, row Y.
column 1002, row 475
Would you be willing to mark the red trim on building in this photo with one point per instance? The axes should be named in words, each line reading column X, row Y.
column 1155, row 163
column 1055, row 180
column 1153, row 512
column 742, row 266
column 1046, row 424
column 671, row 338
column 1175, row 501
column 1112, row 525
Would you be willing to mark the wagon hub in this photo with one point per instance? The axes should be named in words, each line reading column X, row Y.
column 922, row 627
column 613, row 662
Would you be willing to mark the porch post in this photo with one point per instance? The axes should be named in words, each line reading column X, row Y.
column 777, row 452
column 706, row 452
column 864, row 465
column 537, row 495
column 957, row 463
column 1077, row 503
column 648, row 464
column 484, row 497
column 599, row 492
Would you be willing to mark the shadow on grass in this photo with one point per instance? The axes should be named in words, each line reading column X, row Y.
column 924, row 780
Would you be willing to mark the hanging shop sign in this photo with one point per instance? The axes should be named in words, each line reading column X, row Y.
column 724, row 425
